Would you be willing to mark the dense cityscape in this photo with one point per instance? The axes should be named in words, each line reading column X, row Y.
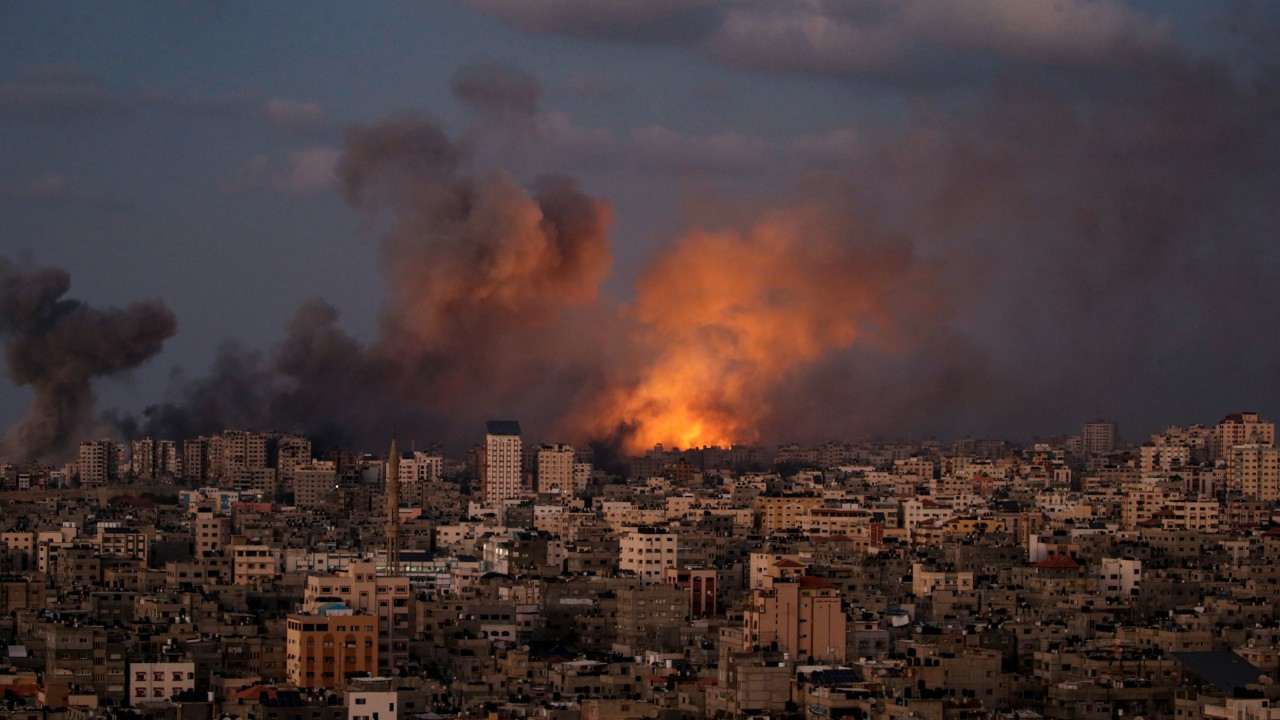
column 640, row 360
column 238, row 575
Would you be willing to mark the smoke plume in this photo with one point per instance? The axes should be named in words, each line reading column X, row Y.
column 1064, row 240
column 489, row 284
column 726, row 316
column 58, row 346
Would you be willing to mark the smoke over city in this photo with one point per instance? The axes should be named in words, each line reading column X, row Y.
column 492, row 288
column 57, row 346
column 725, row 316
column 1010, row 259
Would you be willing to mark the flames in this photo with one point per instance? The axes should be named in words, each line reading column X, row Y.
column 725, row 317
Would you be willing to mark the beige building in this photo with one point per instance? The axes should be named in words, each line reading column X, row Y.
column 803, row 617
column 647, row 552
column 500, row 463
column 1244, row 428
column 779, row 513
column 362, row 589
column 292, row 452
column 315, row 485
column 322, row 649
column 212, row 533
column 1204, row 515
column 236, row 448
column 1099, row 437
column 1142, row 500
column 925, row 582
column 1119, row 577
column 556, row 471
column 97, row 463
column 253, row 563
column 1254, row 471
column 154, row 681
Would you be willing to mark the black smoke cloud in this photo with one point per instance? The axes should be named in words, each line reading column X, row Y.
column 1106, row 239
column 488, row 281
column 58, row 346
column 498, row 92
column 1103, row 198
column 1115, row 250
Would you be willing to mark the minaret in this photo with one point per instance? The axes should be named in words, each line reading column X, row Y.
column 393, row 510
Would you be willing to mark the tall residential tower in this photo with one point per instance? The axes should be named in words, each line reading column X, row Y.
column 393, row 509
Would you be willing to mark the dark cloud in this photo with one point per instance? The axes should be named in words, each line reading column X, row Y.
column 58, row 346
column 498, row 92
column 877, row 39
column 66, row 91
column 595, row 85
column 489, row 287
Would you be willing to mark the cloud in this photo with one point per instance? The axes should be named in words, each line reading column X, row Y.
column 308, row 171
column 293, row 115
column 596, row 85
column 55, row 188
column 877, row 39
column 662, row 148
column 66, row 91
column 57, row 90
column 490, row 305
column 497, row 92
column 839, row 147
column 646, row 20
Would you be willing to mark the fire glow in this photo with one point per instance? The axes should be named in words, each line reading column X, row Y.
column 726, row 316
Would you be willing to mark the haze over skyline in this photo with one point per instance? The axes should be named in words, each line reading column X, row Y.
column 697, row 221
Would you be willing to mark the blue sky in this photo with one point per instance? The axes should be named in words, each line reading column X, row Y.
column 185, row 151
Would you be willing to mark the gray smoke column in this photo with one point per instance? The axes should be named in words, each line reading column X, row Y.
column 491, row 307
column 59, row 345
column 482, row 271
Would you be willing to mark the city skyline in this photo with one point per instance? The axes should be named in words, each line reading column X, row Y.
column 761, row 224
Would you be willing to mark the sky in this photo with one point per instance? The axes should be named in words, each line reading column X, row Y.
column 676, row 221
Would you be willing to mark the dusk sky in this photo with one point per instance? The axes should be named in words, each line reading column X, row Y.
column 768, row 220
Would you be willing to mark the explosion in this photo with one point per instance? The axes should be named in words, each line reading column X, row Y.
column 58, row 346
column 727, row 315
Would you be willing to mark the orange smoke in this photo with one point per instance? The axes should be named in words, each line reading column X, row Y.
column 728, row 315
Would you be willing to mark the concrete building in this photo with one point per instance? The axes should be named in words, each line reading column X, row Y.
column 236, row 448
column 195, row 460
column 801, row 617
column 322, row 649
column 212, row 533
column 1119, row 577
column 700, row 584
column 155, row 681
column 555, row 471
column 925, row 582
column 385, row 597
column 253, row 562
column 1243, row 428
column 1100, row 437
column 1254, row 471
column 647, row 552
column 501, row 463
column 97, row 463
column 292, row 452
